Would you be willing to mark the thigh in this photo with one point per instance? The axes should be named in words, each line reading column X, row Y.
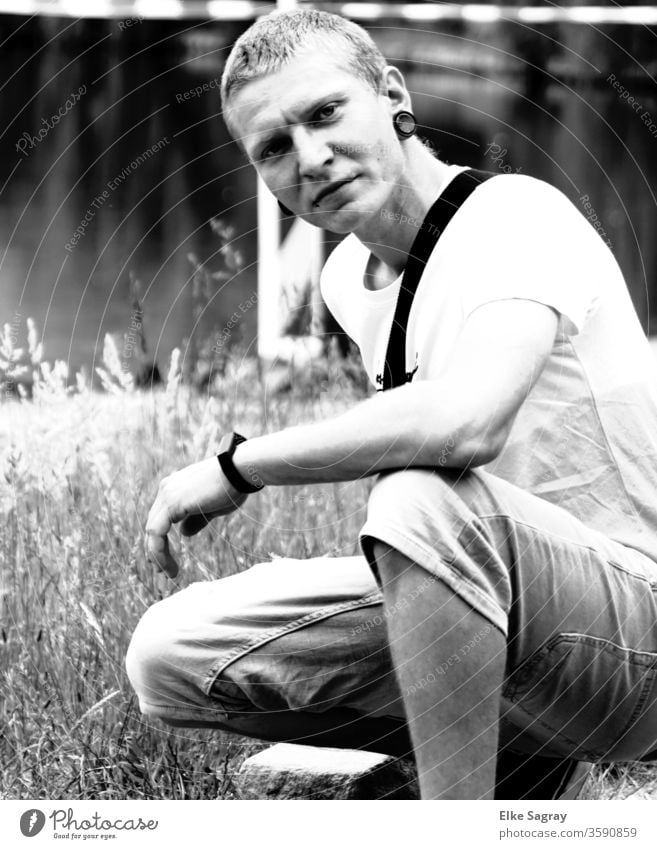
column 288, row 634
column 581, row 676
column 579, row 609
column 582, row 648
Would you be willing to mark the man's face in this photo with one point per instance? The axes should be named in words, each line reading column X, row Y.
column 321, row 138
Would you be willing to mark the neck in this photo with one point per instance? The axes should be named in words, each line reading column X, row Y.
column 390, row 233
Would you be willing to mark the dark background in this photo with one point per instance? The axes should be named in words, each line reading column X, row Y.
column 538, row 92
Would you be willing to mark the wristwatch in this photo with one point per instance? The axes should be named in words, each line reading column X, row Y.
column 227, row 447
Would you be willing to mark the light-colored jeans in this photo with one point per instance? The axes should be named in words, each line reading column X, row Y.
column 307, row 638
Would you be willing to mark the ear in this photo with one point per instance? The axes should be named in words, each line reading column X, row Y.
column 395, row 89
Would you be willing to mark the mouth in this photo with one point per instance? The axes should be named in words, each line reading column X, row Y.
column 329, row 190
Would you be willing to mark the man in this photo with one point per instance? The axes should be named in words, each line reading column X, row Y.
column 512, row 528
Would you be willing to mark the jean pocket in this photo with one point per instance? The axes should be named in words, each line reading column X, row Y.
column 585, row 697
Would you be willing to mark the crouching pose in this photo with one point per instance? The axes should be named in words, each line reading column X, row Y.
column 501, row 622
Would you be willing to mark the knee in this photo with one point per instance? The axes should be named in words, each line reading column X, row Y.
column 416, row 510
column 149, row 661
column 437, row 520
column 169, row 662
column 165, row 663
column 401, row 494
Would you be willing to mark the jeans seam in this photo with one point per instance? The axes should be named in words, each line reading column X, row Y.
column 637, row 657
column 524, row 670
column 370, row 600
column 532, row 662
column 645, row 659
column 184, row 712
column 549, row 533
column 542, row 531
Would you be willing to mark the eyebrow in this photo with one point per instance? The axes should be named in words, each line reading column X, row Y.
column 312, row 107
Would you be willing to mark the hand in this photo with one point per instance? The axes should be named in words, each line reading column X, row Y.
column 194, row 496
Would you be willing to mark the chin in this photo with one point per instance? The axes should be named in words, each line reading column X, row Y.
column 345, row 222
column 346, row 219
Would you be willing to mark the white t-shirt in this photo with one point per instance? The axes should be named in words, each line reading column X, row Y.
column 586, row 436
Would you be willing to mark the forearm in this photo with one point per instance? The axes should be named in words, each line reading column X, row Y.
column 414, row 425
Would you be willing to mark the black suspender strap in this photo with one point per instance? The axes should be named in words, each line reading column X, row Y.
column 434, row 224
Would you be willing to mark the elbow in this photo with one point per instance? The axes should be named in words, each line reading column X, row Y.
column 479, row 450
column 479, row 455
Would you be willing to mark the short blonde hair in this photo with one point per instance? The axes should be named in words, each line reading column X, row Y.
column 276, row 38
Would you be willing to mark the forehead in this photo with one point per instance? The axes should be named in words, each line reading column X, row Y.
column 269, row 102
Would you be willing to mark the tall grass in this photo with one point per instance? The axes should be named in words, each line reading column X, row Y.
column 78, row 473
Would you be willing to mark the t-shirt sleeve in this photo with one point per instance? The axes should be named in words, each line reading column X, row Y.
column 529, row 241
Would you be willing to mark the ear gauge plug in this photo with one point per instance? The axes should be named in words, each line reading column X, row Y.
column 405, row 124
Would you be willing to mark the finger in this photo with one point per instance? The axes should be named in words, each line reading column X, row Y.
column 157, row 542
column 159, row 554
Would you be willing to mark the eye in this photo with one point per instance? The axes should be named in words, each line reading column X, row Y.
column 327, row 111
column 274, row 148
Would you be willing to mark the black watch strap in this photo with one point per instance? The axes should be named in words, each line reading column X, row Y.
column 227, row 447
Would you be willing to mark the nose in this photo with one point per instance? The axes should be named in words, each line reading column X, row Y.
column 313, row 154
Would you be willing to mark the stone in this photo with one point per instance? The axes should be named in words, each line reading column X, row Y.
column 291, row 771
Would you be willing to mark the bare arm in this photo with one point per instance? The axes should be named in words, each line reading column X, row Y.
column 460, row 419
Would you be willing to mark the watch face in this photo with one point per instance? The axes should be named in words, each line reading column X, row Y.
column 227, row 447
column 226, row 443
column 229, row 442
